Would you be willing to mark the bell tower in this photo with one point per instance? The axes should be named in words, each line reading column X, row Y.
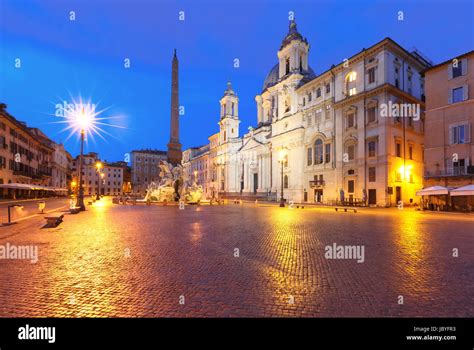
column 293, row 53
column 229, row 119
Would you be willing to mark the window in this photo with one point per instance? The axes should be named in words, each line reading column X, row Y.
column 317, row 118
column 310, row 97
column 351, row 152
column 350, row 186
column 371, row 111
column 328, row 88
column 287, row 70
column 459, row 167
column 398, row 149
column 398, row 176
column 318, row 151
column 285, row 181
column 351, row 120
column 372, row 148
column 350, row 84
column 327, row 153
column 304, row 101
column 318, row 93
column 457, row 95
column 372, row 174
column 371, row 75
column 310, row 156
column 457, row 71
column 460, row 134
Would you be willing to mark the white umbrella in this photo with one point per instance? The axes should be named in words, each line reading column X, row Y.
column 463, row 191
column 433, row 191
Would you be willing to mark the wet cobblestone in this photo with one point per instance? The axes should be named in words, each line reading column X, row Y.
column 138, row 261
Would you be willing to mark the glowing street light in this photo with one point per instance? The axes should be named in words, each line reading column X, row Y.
column 82, row 120
column 195, row 176
column 98, row 166
column 282, row 158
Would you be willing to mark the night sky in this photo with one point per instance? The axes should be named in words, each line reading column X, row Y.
column 61, row 59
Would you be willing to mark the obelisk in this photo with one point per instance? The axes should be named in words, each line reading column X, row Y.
column 174, row 147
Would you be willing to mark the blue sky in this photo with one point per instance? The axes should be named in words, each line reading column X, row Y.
column 62, row 58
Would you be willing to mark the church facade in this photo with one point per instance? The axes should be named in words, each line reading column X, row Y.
column 353, row 133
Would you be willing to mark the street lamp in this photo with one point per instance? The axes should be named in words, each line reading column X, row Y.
column 195, row 176
column 102, row 175
column 9, row 214
column 98, row 166
column 73, row 187
column 282, row 158
column 82, row 120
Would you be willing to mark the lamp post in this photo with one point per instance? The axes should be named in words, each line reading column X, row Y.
column 98, row 166
column 73, row 187
column 102, row 175
column 282, row 154
column 82, row 120
column 9, row 214
column 80, row 197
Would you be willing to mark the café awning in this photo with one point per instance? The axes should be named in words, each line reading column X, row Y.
column 463, row 191
column 433, row 191
column 31, row 187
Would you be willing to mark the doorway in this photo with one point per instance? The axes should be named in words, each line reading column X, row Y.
column 372, row 196
column 318, row 195
column 255, row 183
column 398, row 194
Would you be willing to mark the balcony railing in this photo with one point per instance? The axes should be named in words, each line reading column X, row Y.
column 23, row 173
column 456, row 171
column 316, row 183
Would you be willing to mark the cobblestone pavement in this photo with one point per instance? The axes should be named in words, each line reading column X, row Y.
column 151, row 261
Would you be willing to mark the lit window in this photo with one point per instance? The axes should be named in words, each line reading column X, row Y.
column 352, row 76
column 352, row 91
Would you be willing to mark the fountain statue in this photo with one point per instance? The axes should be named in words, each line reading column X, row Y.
column 173, row 186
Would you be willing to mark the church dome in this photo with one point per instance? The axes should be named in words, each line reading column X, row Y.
column 272, row 77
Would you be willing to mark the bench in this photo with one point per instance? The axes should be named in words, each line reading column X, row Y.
column 346, row 209
column 74, row 210
column 54, row 220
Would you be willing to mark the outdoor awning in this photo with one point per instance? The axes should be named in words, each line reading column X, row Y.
column 463, row 191
column 17, row 186
column 433, row 191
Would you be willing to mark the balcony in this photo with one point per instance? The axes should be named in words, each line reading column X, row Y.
column 316, row 183
column 456, row 171
column 23, row 173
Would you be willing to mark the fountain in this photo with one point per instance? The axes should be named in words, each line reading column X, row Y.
column 173, row 186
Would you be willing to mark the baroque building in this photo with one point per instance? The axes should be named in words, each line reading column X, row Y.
column 106, row 179
column 353, row 132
